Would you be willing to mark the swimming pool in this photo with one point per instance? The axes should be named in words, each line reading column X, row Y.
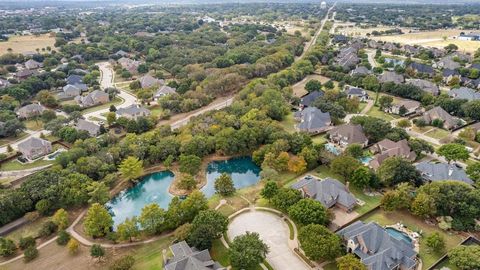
column 365, row 160
column 399, row 235
column 332, row 149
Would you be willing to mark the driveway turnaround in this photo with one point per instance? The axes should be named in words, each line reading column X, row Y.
column 274, row 232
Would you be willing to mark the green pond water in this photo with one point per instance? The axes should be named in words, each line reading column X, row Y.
column 153, row 188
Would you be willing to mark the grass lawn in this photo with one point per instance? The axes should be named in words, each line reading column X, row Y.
column 319, row 139
column 219, row 253
column 156, row 110
column 288, row 123
column 14, row 165
column 331, row 266
column 150, row 256
column 376, row 112
column 34, row 124
column 31, row 229
column 413, row 223
column 8, row 140
column 438, row 133
column 20, row 44
column 115, row 101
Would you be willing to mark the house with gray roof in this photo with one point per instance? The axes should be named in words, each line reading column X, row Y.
column 148, row 81
column 164, row 90
column 391, row 76
column 422, row 68
column 187, row 258
column 312, row 120
column 74, row 79
column 387, row 148
column 360, row 71
column 32, row 64
column 442, row 171
column 24, row 74
column 133, row 112
column 426, row 86
column 347, row 134
column 388, row 46
column 93, row 98
column 449, row 74
column 309, row 98
column 70, row 91
column 437, row 113
column 448, row 63
column 464, row 93
column 34, row 147
column 329, row 192
column 404, row 107
column 30, row 110
column 376, row 248
column 348, row 61
column 355, row 92
column 90, row 127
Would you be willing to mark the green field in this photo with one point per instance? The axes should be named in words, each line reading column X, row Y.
column 14, row 165
column 150, row 256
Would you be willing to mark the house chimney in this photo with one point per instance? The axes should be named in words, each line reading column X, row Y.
column 347, row 186
column 450, row 171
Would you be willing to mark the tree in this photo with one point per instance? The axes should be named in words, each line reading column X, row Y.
column 435, row 241
column 60, row 218
column 313, row 85
column 190, row 164
column 73, row 246
column 420, row 146
column 124, row 263
column 224, row 185
column 187, row 182
column 97, row 251
column 30, row 253
column 286, row 197
column 111, row 118
column 247, row 251
column 423, row 205
column 354, row 150
column 26, row 242
column 269, row 190
column 207, row 226
column 451, row 47
column 473, row 170
column 131, row 168
column 152, row 218
column 362, row 177
column 396, row 170
column 350, row 262
column 400, row 198
column 370, row 82
column 472, row 109
column 453, row 151
column 309, row 211
column 385, row 102
column 98, row 192
column 181, row 233
column 98, row 221
column 7, row 247
column 128, row 229
column 465, row 257
column 297, row 164
column 345, row 166
column 319, row 243
column 63, row 238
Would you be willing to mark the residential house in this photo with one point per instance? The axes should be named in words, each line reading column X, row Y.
column 387, row 148
column 121, row 53
column 32, row 64
column 164, row 90
column 388, row 46
column 329, row 192
column 376, row 248
column 470, row 82
column 432, row 172
column 133, row 112
column 426, row 86
column 309, row 98
column 449, row 74
column 74, row 79
column 187, row 258
column 312, row 120
column 24, row 74
column 436, row 52
column 391, row 76
column 355, row 92
column 461, row 56
column 468, row 37
column 347, row 134
column 69, row 91
column 373, row 44
column 129, row 64
column 90, row 127
column 448, row 63
column 347, row 58
column 148, row 81
column 464, row 93
column 30, row 110
column 34, row 147
column 437, row 113
column 475, row 66
column 412, row 50
column 93, row 98
column 422, row 69
column 360, row 70
column 340, row 39
column 409, row 107
column 4, row 83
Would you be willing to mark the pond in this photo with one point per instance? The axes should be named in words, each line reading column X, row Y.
column 243, row 171
column 152, row 188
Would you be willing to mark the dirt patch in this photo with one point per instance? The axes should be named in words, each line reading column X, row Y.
column 20, row 44
column 299, row 88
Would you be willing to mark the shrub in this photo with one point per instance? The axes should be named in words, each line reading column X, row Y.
column 63, row 238
column 124, row 263
column 30, row 253
column 7, row 247
column 73, row 246
column 48, row 228
column 26, row 242
column 97, row 251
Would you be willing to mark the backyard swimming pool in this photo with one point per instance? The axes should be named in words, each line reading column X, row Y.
column 399, row 235
column 332, row 149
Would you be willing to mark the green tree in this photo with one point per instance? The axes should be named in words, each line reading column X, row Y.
column 396, row 170
column 370, row 82
column 98, row 192
column 98, row 221
column 131, row 168
column 187, row 182
column 60, row 218
column 111, row 118
column 63, row 238
column 128, row 229
column 400, row 198
column 350, row 262
column 362, row 177
column 224, row 185
column 354, row 150
column 73, row 246
column 190, row 164
column 7, row 247
column 319, row 243
column 152, row 218
column 181, row 233
column 435, row 241
column 453, row 151
column 465, row 257
column 26, row 242
column 97, row 251
column 473, row 170
column 309, row 211
column 269, row 190
column 207, row 226
column 286, row 197
column 313, row 85
column 30, row 253
column 345, row 166
column 385, row 102
column 247, row 251
column 423, row 205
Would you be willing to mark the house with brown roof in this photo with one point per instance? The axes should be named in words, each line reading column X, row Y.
column 424, row 85
column 148, row 81
column 133, row 112
column 405, row 107
column 32, row 64
column 437, row 113
column 391, row 76
column 387, row 148
column 33, row 148
column 30, row 110
column 93, row 98
column 90, row 127
column 347, row 134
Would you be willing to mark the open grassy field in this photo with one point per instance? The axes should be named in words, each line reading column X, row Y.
column 350, row 29
column 288, row 123
column 413, row 223
column 15, row 165
column 20, row 44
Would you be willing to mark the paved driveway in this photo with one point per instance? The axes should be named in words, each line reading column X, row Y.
column 274, row 232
